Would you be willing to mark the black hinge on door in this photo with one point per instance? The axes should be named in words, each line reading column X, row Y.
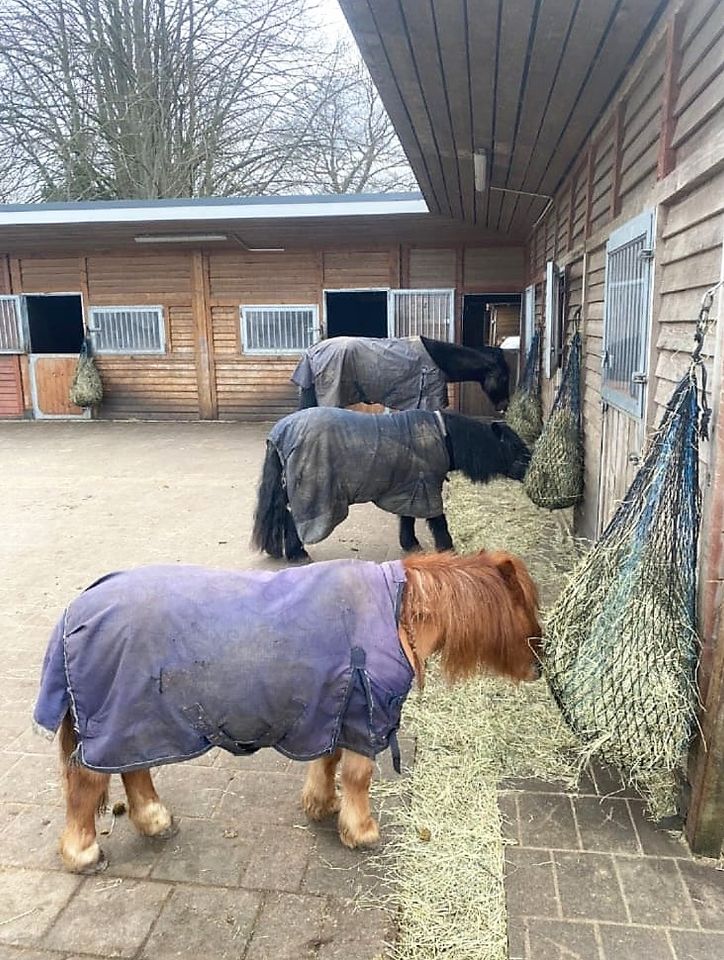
column 646, row 254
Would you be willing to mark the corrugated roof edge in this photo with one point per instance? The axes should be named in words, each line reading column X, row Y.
column 212, row 209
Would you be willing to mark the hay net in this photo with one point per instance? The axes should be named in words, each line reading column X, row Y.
column 524, row 410
column 86, row 390
column 621, row 647
column 555, row 475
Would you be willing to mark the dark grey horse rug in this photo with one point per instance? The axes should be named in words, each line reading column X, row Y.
column 333, row 458
column 163, row 663
column 398, row 373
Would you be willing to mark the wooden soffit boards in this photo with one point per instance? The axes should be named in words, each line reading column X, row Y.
column 525, row 80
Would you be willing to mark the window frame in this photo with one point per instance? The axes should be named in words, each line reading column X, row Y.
column 160, row 312
column 396, row 294
column 245, row 309
column 22, row 337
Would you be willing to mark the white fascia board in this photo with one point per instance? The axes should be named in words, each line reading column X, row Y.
column 194, row 212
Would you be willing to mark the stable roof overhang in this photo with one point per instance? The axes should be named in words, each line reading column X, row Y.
column 359, row 220
column 518, row 83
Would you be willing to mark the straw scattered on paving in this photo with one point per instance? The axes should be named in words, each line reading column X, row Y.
column 444, row 850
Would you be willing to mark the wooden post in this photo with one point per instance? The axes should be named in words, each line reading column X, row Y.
column 571, row 212
column 405, row 267
column 590, row 166
column 16, row 276
column 203, row 337
column 617, row 152
column 5, row 281
column 84, row 290
column 393, row 266
column 667, row 156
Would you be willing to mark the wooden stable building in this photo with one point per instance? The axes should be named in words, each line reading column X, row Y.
column 595, row 131
column 199, row 309
column 570, row 154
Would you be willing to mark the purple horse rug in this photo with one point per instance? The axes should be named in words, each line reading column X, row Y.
column 333, row 458
column 160, row 664
column 398, row 373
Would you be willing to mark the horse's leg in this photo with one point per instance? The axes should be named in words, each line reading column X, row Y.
column 357, row 827
column 319, row 795
column 408, row 540
column 293, row 546
column 441, row 534
column 86, row 794
column 148, row 815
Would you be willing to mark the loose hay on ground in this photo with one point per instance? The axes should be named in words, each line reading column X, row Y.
column 449, row 888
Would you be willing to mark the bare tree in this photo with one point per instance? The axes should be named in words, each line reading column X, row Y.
column 347, row 141
column 164, row 98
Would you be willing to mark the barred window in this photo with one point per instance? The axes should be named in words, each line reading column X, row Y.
column 427, row 313
column 127, row 329
column 279, row 329
column 11, row 330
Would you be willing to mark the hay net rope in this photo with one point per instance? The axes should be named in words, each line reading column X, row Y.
column 524, row 410
column 555, row 475
column 621, row 646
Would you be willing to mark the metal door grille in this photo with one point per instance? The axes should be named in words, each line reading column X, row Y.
column 287, row 329
column 127, row 329
column 427, row 313
column 627, row 307
column 11, row 328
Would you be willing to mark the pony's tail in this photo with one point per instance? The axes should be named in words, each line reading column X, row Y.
column 307, row 397
column 68, row 747
column 271, row 507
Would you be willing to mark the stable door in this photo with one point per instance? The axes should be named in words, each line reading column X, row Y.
column 54, row 326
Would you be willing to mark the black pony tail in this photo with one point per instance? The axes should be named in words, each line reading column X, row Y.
column 271, row 507
column 307, row 398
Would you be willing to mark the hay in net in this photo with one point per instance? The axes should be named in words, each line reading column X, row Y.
column 524, row 413
column 621, row 647
column 86, row 390
column 555, row 475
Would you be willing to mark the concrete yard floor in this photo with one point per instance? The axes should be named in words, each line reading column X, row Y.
column 247, row 876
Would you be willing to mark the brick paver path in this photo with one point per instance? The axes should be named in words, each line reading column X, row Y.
column 588, row 877
column 246, row 877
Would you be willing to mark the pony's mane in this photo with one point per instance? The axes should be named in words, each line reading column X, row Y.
column 483, row 450
column 475, row 602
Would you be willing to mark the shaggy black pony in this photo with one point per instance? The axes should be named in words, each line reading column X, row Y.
column 321, row 460
column 403, row 373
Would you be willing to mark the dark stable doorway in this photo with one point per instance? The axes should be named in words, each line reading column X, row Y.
column 476, row 316
column 357, row 314
column 55, row 324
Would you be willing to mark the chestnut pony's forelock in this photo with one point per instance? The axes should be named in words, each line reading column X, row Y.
column 485, row 606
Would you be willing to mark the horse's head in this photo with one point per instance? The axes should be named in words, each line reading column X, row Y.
column 515, row 453
column 483, row 609
column 495, row 378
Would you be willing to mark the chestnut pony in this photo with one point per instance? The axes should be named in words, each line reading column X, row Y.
column 478, row 613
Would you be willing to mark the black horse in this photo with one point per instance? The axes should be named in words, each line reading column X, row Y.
column 404, row 373
column 321, row 460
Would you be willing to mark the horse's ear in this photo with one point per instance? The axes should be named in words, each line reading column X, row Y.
column 508, row 570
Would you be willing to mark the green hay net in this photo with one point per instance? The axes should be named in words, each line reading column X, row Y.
column 621, row 647
column 86, row 390
column 555, row 475
column 524, row 410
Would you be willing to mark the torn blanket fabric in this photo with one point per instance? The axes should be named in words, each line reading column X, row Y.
column 398, row 373
column 333, row 458
column 162, row 663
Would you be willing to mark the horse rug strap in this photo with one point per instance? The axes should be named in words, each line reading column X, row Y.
column 333, row 458
column 398, row 373
column 161, row 664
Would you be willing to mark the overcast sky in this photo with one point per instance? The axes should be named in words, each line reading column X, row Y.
column 330, row 11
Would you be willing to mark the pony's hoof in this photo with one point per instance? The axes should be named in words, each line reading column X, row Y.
column 170, row 831
column 301, row 557
column 91, row 869
column 320, row 808
column 364, row 837
column 414, row 548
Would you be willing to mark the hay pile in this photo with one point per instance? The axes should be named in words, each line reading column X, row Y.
column 445, row 852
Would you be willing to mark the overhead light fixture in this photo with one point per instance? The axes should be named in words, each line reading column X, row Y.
column 480, row 168
column 181, row 238
column 256, row 249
